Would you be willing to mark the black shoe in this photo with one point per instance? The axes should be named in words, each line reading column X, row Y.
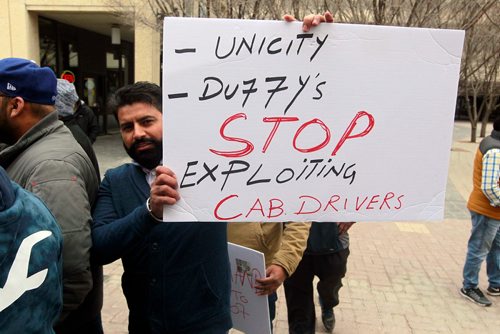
column 475, row 295
column 493, row 291
column 328, row 318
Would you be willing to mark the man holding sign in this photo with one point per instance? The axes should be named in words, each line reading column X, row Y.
column 176, row 275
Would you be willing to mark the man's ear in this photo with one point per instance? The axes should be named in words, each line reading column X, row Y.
column 17, row 106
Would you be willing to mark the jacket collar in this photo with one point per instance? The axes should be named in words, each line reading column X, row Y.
column 150, row 174
column 139, row 179
column 45, row 126
column 495, row 134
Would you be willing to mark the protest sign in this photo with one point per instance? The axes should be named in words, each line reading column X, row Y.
column 263, row 122
column 249, row 312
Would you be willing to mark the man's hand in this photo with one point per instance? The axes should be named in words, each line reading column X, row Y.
column 311, row 20
column 275, row 276
column 344, row 227
column 163, row 190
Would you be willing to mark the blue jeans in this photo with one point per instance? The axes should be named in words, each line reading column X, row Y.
column 484, row 243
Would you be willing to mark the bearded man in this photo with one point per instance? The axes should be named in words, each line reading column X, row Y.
column 176, row 275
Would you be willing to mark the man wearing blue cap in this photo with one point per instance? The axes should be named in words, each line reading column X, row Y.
column 40, row 154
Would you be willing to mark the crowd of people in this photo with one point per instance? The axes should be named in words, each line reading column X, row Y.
column 60, row 223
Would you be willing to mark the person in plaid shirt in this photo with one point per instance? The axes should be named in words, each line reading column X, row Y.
column 484, row 205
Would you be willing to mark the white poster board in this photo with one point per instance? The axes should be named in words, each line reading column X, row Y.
column 263, row 122
column 249, row 312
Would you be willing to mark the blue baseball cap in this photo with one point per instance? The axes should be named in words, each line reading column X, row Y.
column 23, row 78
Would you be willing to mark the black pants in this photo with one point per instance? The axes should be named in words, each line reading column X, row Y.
column 91, row 327
column 330, row 269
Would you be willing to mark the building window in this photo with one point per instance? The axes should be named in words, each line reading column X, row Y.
column 72, row 55
column 48, row 44
column 112, row 61
column 90, row 91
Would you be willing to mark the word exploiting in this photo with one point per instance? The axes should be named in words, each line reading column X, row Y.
column 197, row 173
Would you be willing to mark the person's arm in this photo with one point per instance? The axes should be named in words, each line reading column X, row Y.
column 293, row 244
column 62, row 188
column 114, row 236
column 286, row 260
column 344, row 227
column 490, row 176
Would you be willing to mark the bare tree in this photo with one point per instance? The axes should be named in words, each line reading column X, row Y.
column 480, row 59
column 491, row 59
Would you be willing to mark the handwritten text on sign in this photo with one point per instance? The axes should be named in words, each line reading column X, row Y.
column 263, row 122
column 249, row 311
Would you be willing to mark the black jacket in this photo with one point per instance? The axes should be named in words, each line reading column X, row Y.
column 176, row 275
column 86, row 119
column 323, row 239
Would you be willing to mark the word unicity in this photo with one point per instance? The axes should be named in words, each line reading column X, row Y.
column 265, row 45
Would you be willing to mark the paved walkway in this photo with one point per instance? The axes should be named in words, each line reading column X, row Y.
column 401, row 278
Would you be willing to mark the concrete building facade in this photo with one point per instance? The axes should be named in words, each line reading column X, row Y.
column 74, row 38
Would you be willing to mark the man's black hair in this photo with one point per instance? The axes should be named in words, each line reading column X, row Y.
column 142, row 91
column 496, row 124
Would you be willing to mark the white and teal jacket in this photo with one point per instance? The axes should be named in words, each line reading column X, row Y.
column 30, row 262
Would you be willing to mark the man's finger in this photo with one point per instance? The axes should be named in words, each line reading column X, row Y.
column 328, row 17
column 307, row 22
column 164, row 170
column 166, row 191
column 318, row 19
column 166, row 179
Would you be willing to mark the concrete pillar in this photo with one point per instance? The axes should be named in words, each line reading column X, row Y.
column 32, row 37
column 19, row 31
column 5, row 35
column 147, row 53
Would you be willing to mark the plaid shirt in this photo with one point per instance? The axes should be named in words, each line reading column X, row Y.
column 490, row 176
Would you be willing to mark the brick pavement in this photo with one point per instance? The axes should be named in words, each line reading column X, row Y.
column 402, row 277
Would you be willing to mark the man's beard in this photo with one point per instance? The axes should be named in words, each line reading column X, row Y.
column 6, row 132
column 148, row 158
